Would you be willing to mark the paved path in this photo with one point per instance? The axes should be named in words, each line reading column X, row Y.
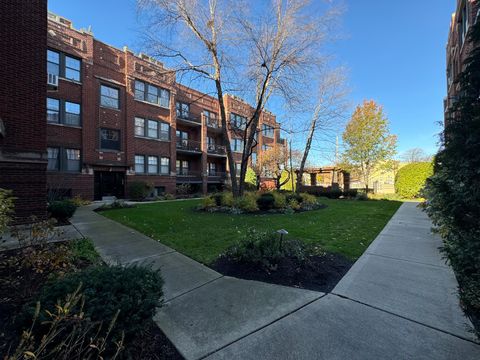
column 397, row 302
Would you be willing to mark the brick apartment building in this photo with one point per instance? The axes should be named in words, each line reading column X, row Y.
column 114, row 117
column 23, row 148
column 458, row 47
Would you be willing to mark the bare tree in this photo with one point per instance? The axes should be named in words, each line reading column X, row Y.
column 329, row 112
column 415, row 155
column 280, row 43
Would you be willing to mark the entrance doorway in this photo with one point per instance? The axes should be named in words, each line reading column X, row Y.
column 109, row 183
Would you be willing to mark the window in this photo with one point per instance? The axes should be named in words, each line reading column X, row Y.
column 63, row 112
column 182, row 167
column 268, row 131
column 109, row 139
column 237, row 145
column 153, row 165
column 183, row 110
column 238, row 168
column 152, row 94
column 212, row 169
column 139, row 164
column 73, row 160
column 464, row 25
column 165, row 166
column 254, row 158
column 53, row 159
column 139, row 127
column 266, row 147
column 53, row 110
column 237, row 121
column 72, row 68
column 152, row 129
column 182, row 135
column 72, row 113
column 60, row 159
column 211, row 119
column 109, row 97
column 164, row 131
column 53, row 62
column 63, row 65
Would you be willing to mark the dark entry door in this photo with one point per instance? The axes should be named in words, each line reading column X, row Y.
column 109, row 183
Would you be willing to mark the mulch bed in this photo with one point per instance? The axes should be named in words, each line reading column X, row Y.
column 19, row 287
column 318, row 273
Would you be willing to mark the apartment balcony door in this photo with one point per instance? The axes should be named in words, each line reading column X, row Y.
column 109, row 183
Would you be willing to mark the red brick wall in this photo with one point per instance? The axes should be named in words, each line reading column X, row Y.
column 23, row 34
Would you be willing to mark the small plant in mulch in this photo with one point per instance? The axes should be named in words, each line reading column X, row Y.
column 272, row 202
column 62, row 210
column 279, row 259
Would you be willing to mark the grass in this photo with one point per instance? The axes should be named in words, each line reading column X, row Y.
column 345, row 226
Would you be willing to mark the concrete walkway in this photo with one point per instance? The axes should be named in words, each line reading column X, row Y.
column 397, row 302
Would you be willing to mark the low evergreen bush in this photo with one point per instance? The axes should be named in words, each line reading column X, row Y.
column 139, row 190
column 247, row 203
column 62, row 210
column 265, row 201
column 134, row 291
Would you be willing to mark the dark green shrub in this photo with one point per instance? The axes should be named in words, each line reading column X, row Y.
column 350, row 193
column 266, row 249
column 411, row 179
column 453, row 192
column 361, row 196
column 280, row 200
column 139, row 190
column 294, row 196
column 266, row 201
column 135, row 291
column 217, row 197
column 84, row 250
column 62, row 210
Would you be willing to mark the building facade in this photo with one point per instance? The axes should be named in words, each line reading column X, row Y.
column 458, row 48
column 23, row 148
column 114, row 117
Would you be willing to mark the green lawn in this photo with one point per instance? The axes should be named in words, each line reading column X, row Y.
column 345, row 226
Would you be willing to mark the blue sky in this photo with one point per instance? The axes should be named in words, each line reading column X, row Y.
column 394, row 50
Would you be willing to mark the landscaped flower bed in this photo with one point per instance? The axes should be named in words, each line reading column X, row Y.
column 260, row 202
column 278, row 259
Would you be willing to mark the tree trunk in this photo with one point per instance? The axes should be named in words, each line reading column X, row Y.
column 306, row 151
column 231, row 161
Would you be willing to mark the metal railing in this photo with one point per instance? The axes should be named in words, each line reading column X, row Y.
column 189, row 145
column 213, row 123
column 216, row 149
column 182, row 115
column 189, row 173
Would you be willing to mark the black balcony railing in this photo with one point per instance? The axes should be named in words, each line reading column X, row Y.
column 216, row 149
column 217, row 175
column 189, row 145
column 187, row 116
column 189, row 173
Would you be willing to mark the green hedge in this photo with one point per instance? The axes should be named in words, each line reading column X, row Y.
column 411, row 179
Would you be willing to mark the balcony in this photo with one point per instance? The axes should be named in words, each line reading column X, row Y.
column 189, row 176
column 216, row 176
column 189, row 146
column 188, row 119
column 213, row 124
column 216, row 150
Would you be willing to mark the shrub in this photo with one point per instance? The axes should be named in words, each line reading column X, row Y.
column 62, row 210
column 208, row 203
column 265, row 249
column 350, row 193
column 84, row 250
column 134, row 291
column 117, row 204
column 294, row 204
column 250, row 180
column 411, row 179
column 6, row 209
column 248, row 202
column 78, row 201
column 361, row 196
column 226, row 199
column 169, row 196
column 293, row 196
column 139, row 190
column 266, row 201
column 67, row 334
column 184, row 190
column 280, row 200
column 308, row 199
